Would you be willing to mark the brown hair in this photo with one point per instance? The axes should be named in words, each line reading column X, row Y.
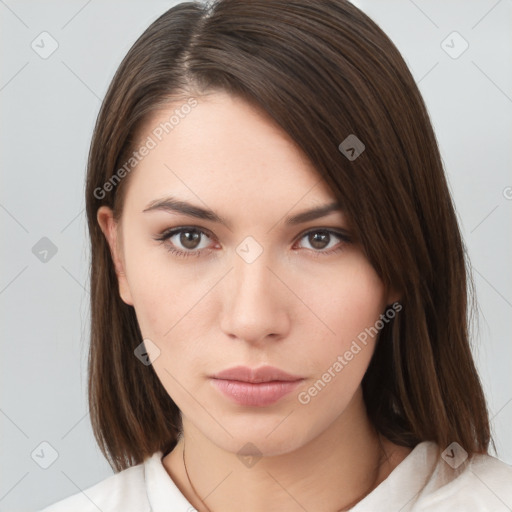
column 323, row 71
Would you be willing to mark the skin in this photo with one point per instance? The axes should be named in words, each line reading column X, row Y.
column 293, row 307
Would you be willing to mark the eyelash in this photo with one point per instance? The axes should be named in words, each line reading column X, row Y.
column 165, row 236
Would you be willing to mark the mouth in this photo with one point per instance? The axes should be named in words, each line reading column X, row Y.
column 255, row 387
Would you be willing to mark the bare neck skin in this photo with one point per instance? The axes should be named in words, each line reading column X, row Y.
column 331, row 473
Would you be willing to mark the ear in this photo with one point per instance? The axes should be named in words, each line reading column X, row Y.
column 393, row 296
column 110, row 228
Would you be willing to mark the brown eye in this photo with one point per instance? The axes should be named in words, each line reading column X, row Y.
column 319, row 239
column 184, row 241
column 189, row 239
column 325, row 241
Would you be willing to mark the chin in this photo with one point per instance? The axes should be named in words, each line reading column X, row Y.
column 261, row 438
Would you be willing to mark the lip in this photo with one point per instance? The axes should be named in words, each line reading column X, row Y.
column 257, row 387
column 256, row 375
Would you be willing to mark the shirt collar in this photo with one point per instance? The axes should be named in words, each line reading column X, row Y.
column 400, row 489
column 163, row 494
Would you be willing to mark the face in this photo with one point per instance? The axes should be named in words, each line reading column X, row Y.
column 253, row 290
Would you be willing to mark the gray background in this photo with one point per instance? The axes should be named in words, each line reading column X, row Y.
column 48, row 108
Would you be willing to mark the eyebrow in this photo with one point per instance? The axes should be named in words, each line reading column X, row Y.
column 171, row 204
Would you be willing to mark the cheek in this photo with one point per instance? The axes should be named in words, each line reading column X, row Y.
column 348, row 299
column 153, row 287
column 170, row 299
column 348, row 307
column 340, row 359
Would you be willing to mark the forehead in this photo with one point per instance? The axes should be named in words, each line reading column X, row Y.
column 225, row 153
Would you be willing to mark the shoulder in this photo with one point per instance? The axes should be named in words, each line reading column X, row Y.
column 122, row 491
column 430, row 480
column 482, row 483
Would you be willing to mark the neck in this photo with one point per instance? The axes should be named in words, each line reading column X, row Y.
column 334, row 471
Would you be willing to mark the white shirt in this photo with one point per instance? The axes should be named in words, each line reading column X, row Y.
column 421, row 482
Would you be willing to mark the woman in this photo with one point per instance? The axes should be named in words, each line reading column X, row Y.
column 278, row 280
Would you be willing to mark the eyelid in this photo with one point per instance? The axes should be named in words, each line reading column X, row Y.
column 165, row 235
column 343, row 235
column 332, row 229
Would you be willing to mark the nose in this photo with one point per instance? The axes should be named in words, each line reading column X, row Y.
column 256, row 302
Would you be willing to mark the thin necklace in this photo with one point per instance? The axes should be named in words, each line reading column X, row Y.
column 381, row 453
column 188, row 478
